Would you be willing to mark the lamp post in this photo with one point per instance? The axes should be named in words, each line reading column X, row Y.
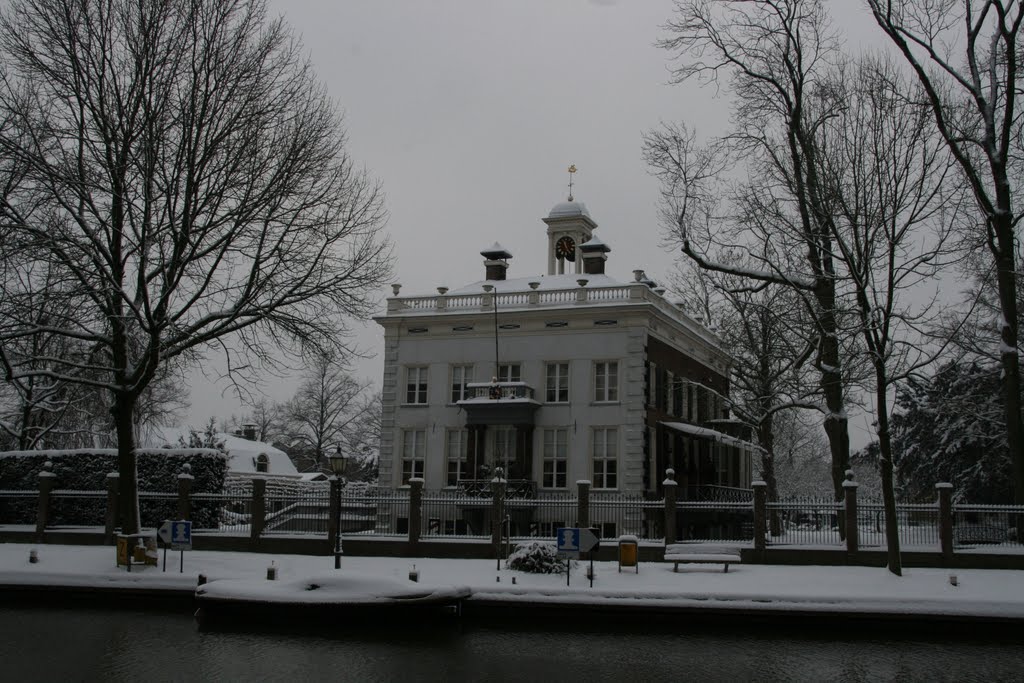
column 338, row 462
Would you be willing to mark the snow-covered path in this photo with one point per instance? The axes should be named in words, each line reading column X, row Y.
column 982, row 593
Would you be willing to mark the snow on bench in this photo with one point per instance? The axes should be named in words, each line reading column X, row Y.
column 682, row 553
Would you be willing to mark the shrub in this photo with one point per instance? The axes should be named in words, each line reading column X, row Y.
column 536, row 557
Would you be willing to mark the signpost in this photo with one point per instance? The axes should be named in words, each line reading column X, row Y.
column 571, row 541
column 177, row 535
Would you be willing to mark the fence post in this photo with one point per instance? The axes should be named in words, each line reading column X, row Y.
column 760, row 517
column 498, row 485
column 185, row 480
column 46, row 481
column 333, row 510
column 415, row 513
column 945, row 521
column 113, row 481
column 259, row 509
column 670, row 506
column 850, row 495
column 583, row 504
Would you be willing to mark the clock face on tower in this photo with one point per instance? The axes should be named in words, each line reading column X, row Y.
column 565, row 248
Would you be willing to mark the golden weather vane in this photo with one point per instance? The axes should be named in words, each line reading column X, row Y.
column 572, row 170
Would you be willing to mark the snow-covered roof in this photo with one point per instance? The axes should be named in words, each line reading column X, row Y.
column 569, row 209
column 705, row 433
column 242, row 453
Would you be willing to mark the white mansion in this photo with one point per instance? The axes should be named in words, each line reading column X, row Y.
column 556, row 378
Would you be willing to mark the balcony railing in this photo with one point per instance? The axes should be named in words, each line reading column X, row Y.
column 481, row 488
column 497, row 391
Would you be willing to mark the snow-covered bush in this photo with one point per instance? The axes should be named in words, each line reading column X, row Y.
column 86, row 470
column 536, row 557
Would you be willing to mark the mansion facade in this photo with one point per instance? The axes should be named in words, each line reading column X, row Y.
column 548, row 380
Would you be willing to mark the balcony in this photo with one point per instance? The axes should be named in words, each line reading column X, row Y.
column 498, row 391
column 499, row 403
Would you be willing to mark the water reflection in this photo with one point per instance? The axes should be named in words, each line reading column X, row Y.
column 84, row 644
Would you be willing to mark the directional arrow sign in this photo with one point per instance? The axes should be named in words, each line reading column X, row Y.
column 164, row 532
column 588, row 540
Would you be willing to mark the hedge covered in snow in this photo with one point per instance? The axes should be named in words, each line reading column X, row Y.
column 87, row 469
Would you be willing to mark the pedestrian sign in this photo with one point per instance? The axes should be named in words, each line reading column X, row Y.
column 571, row 541
column 177, row 534
column 568, row 540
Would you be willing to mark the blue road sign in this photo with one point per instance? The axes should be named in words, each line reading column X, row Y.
column 568, row 539
column 177, row 534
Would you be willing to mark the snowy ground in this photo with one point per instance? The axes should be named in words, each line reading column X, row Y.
column 986, row 593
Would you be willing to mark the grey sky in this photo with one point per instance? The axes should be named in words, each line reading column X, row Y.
column 470, row 111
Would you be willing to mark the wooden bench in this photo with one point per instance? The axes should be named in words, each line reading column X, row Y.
column 701, row 553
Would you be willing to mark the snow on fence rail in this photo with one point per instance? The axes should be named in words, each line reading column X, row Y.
column 462, row 513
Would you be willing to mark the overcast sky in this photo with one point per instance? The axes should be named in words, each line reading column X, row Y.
column 470, row 111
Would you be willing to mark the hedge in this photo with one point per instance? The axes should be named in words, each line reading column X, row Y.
column 86, row 470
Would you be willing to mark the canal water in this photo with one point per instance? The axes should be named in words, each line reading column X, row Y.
column 87, row 644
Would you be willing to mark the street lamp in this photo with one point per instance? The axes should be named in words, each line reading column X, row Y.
column 338, row 462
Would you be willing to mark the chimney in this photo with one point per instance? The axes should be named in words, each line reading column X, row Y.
column 594, row 253
column 496, row 261
column 249, row 431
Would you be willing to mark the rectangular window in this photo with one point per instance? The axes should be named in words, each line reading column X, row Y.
column 691, row 402
column 669, row 395
column 416, row 385
column 555, row 456
column 606, row 451
column 677, row 397
column 557, row 382
column 509, row 372
column 456, row 452
column 414, row 448
column 606, row 381
column 461, row 376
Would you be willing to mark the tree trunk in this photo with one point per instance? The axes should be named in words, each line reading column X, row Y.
column 1007, row 281
column 128, row 489
column 766, row 436
column 892, row 530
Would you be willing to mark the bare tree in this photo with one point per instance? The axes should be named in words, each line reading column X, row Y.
column 774, row 53
column 885, row 177
column 179, row 166
column 964, row 54
column 327, row 413
column 270, row 419
column 757, row 327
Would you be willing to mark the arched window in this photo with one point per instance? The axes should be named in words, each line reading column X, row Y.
column 262, row 462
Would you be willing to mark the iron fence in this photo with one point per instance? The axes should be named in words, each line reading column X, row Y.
column 714, row 521
column 614, row 515
column 804, row 521
column 382, row 512
column 228, row 512
column 984, row 526
column 917, row 525
column 540, row 516
column 18, row 507
column 78, row 508
column 298, row 513
column 462, row 513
